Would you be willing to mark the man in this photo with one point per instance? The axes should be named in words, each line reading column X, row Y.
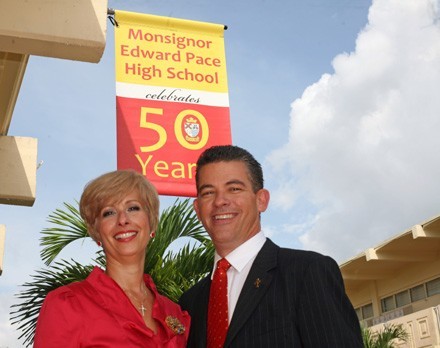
column 276, row 297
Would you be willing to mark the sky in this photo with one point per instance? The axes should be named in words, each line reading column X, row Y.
column 338, row 99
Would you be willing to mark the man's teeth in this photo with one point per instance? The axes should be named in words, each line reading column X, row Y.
column 223, row 216
column 125, row 235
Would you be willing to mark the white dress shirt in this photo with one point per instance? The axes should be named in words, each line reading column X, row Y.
column 241, row 260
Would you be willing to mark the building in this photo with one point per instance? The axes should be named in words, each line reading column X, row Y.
column 398, row 281
column 66, row 29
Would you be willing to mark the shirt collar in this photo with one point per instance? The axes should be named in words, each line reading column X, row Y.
column 240, row 256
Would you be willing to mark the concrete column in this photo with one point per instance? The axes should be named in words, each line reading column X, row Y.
column 18, row 170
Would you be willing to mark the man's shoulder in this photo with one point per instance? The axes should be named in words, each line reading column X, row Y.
column 289, row 255
column 299, row 253
column 199, row 285
column 194, row 292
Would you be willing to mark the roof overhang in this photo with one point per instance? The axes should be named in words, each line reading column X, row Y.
column 67, row 29
column 12, row 68
column 419, row 244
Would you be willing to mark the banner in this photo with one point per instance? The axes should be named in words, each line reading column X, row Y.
column 171, row 97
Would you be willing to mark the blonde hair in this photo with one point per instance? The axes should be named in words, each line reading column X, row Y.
column 111, row 188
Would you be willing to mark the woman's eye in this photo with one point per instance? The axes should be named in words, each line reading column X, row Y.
column 134, row 208
column 107, row 213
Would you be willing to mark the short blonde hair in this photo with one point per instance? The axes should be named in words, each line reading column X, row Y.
column 111, row 188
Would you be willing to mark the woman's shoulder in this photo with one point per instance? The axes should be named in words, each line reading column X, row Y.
column 66, row 292
column 74, row 289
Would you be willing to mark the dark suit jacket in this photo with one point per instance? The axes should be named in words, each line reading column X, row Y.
column 291, row 298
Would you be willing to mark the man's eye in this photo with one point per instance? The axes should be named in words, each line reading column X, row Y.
column 206, row 193
column 234, row 189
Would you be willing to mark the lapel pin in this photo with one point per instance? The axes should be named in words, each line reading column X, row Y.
column 257, row 283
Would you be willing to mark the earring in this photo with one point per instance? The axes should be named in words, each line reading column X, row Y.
column 152, row 234
column 99, row 243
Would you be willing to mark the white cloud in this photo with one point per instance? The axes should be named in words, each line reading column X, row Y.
column 363, row 141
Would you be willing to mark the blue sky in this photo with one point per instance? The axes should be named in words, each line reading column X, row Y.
column 338, row 99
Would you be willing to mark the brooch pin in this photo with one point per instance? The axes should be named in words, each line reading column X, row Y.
column 175, row 325
column 257, row 283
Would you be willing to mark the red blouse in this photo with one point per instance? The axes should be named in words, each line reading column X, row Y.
column 97, row 313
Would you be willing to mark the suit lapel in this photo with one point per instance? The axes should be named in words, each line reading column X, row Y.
column 256, row 285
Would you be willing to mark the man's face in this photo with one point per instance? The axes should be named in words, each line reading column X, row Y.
column 227, row 206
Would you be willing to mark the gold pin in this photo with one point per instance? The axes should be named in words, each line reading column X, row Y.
column 257, row 282
column 175, row 325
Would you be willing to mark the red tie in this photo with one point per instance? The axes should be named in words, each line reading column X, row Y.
column 218, row 321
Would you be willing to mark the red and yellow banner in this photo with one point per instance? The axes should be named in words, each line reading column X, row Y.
column 171, row 97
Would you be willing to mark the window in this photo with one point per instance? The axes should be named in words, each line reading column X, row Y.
column 367, row 311
column 387, row 303
column 433, row 287
column 402, row 299
column 418, row 293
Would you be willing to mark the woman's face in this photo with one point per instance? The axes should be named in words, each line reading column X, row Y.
column 124, row 228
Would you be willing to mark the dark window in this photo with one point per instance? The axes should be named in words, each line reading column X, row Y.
column 388, row 304
column 418, row 293
column 403, row 298
column 433, row 287
column 367, row 311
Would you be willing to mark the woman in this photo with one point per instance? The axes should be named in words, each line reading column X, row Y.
column 118, row 307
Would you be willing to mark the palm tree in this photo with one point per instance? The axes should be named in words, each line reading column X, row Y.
column 173, row 271
column 385, row 338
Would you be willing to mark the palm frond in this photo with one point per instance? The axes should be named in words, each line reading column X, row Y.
column 390, row 333
column 177, row 272
column 385, row 338
column 69, row 227
column 367, row 338
column 176, row 222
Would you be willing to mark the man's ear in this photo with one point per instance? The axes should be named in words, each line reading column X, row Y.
column 263, row 198
column 196, row 207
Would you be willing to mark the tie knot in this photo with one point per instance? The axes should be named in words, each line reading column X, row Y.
column 223, row 264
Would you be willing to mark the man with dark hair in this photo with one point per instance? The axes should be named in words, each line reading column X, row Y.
column 259, row 295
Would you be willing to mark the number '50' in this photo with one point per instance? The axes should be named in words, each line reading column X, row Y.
column 177, row 129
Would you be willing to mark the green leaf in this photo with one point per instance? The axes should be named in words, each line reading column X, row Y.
column 69, row 227
column 385, row 338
